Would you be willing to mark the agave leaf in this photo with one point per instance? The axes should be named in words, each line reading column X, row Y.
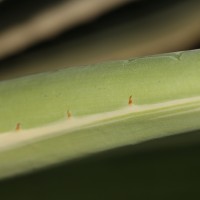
column 165, row 92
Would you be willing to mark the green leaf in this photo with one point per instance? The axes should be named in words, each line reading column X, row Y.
column 166, row 98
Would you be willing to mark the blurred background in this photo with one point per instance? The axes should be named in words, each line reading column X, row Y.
column 38, row 36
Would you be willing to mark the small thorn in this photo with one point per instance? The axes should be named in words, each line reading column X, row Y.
column 18, row 127
column 69, row 114
column 130, row 101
